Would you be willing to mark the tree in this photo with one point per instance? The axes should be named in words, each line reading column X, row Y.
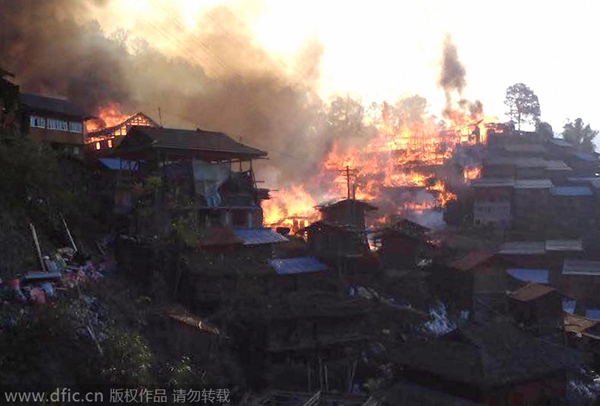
column 580, row 135
column 544, row 130
column 523, row 105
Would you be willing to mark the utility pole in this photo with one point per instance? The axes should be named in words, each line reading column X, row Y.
column 349, row 174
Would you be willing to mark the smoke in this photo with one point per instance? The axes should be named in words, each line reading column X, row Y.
column 453, row 73
column 217, row 78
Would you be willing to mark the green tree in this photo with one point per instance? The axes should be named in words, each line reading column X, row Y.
column 580, row 135
column 544, row 129
column 523, row 104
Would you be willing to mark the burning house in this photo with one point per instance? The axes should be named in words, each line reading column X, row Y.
column 102, row 139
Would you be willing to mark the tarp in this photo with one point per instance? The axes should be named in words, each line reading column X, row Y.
column 208, row 178
column 289, row 266
column 530, row 275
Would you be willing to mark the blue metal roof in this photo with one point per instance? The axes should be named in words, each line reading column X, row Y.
column 572, row 191
column 540, row 276
column 258, row 236
column 117, row 164
column 290, row 266
column 593, row 314
column 569, row 306
column 35, row 276
column 585, row 156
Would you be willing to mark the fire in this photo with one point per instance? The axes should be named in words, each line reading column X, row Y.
column 294, row 208
column 395, row 170
column 108, row 115
column 470, row 173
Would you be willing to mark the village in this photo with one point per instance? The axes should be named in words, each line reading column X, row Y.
column 499, row 308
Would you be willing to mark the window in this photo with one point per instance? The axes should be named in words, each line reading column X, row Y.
column 37, row 122
column 76, row 127
column 109, row 143
column 98, row 146
column 56, row 124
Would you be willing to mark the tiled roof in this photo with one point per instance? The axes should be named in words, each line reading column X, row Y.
column 530, row 292
column 258, row 236
column 290, row 266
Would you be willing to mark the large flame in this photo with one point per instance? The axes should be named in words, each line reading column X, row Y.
column 394, row 170
column 108, row 115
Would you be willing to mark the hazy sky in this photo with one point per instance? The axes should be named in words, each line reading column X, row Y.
column 382, row 49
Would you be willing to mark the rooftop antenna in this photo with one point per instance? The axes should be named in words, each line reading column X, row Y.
column 349, row 174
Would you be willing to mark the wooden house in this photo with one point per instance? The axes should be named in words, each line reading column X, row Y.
column 56, row 122
column 404, row 244
column 487, row 364
column 537, row 306
column 205, row 177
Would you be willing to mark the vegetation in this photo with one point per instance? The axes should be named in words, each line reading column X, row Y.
column 579, row 134
column 523, row 105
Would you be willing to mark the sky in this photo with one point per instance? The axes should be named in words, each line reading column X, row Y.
column 379, row 50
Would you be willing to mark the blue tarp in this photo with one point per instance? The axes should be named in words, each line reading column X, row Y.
column 117, row 164
column 258, row 236
column 540, row 276
column 593, row 314
column 569, row 306
column 290, row 266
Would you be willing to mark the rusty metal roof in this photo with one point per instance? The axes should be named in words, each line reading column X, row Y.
column 530, row 292
column 471, row 260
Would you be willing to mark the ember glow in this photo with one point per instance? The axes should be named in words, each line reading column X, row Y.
column 470, row 173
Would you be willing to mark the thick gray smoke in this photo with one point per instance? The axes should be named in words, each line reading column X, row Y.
column 55, row 48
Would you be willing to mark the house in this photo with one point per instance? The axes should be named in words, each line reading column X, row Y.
column 581, row 280
column 53, row 121
column 494, row 363
column 346, row 212
column 492, row 202
column 404, row 244
column 204, row 177
column 573, row 208
column 537, row 306
column 102, row 141
column 549, row 254
column 531, row 204
column 475, row 281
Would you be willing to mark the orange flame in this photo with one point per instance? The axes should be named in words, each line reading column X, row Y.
column 108, row 115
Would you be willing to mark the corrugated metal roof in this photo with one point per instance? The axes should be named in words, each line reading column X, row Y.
column 533, row 184
column 564, row 245
column 572, row 191
column 531, row 291
column 493, row 182
column 560, row 142
column 577, row 267
column 290, row 266
column 258, row 236
column 37, row 102
column 471, row 260
column 585, row 156
column 524, row 148
column 196, row 140
column 593, row 314
column 583, row 179
column 117, row 164
column 557, row 166
column 540, row 276
column 523, row 248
